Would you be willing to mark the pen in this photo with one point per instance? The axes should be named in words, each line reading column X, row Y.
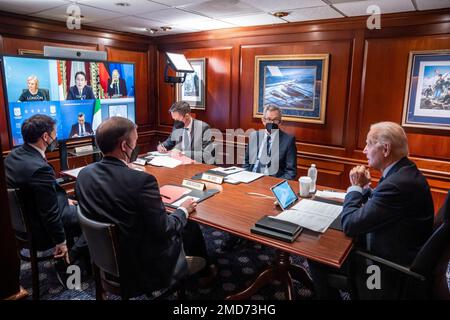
column 228, row 169
column 166, row 197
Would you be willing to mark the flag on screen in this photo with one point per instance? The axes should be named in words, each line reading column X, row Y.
column 97, row 115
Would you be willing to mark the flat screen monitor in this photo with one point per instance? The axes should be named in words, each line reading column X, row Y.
column 78, row 94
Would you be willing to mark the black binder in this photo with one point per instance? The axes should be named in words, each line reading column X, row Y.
column 278, row 229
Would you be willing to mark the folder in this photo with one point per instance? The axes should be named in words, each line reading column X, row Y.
column 277, row 229
column 171, row 194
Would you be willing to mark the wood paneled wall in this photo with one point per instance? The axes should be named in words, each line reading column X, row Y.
column 367, row 80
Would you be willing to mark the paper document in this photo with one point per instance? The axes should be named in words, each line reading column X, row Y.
column 73, row 172
column 179, row 202
column 245, row 176
column 331, row 194
column 313, row 215
column 164, row 161
column 157, row 153
column 229, row 170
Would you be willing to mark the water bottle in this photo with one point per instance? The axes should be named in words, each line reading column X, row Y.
column 312, row 173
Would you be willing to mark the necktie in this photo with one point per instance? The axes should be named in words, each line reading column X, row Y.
column 259, row 167
column 186, row 138
column 81, row 130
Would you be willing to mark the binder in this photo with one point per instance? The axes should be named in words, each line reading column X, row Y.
column 277, row 229
column 173, row 195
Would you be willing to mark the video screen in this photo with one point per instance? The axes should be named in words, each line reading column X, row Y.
column 79, row 95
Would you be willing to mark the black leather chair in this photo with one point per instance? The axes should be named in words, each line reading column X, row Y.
column 425, row 278
column 24, row 239
column 102, row 239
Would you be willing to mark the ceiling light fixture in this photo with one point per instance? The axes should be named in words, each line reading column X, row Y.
column 280, row 14
column 152, row 30
column 122, row 4
column 166, row 28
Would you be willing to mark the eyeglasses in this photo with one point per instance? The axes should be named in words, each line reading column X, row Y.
column 276, row 121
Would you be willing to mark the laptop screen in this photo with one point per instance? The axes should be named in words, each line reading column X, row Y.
column 284, row 194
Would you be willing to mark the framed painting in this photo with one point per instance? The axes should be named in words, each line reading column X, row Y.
column 427, row 93
column 192, row 90
column 295, row 83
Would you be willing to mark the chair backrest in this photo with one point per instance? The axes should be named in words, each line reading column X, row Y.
column 16, row 211
column 102, row 242
column 436, row 246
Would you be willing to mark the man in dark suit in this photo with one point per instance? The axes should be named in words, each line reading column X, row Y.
column 272, row 151
column 189, row 135
column 393, row 220
column 81, row 128
column 116, row 86
column 80, row 91
column 52, row 215
column 153, row 243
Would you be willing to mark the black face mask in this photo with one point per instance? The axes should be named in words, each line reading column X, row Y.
column 271, row 126
column 134, row 153
column 51, row 146
column 177, row 124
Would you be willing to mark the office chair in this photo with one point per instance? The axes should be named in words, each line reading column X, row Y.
column 102, row 239
column 25, row 240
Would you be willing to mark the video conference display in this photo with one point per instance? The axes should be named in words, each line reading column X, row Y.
column 79, row 95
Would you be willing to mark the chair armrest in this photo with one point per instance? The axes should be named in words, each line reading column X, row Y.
column 391, row 264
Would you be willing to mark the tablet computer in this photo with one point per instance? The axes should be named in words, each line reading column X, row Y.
column 284, row 194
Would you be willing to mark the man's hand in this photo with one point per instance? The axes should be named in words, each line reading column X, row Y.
column 161, row 148
column 61, row 252
column 72, row 202
column 75, row 136
column 189, row 204
column 360, row 176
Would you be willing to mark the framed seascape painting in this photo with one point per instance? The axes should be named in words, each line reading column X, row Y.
column 192, row 90
column 295, row 83
column 427, row 94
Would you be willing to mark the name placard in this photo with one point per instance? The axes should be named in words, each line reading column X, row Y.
column 212, row 178
column 84, row 149
column 140, row 161
column 193, row 184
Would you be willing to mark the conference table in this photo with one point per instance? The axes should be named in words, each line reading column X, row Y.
column 234, row 210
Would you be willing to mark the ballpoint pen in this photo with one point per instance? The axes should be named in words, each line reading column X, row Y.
column 164, row 196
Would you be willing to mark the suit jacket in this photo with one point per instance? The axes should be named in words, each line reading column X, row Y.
column 150, row 239
column 201, row 142
column 396, row 218
column 75, row 129
column 122, row 88
column 283, row 160
column 86, row 94
column 44, row 200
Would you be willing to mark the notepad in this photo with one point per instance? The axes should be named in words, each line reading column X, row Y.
column 310, row 214
column 245, row 176
column 331, row 194
column 163, row 161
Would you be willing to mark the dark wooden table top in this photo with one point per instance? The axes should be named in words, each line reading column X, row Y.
column 235, row 211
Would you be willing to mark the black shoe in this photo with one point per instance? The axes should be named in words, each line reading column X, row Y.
column 61, row 272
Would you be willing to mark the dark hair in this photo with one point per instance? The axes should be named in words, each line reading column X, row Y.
column 34, row 127
column 80, row 72
column 181, row 107
column 112, row 131
column 80, row 114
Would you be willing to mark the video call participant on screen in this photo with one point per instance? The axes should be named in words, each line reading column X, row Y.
column 52, row 214
column 191, row 136
column 33, row 93
column 392, row 221
column 80, row 91
column 81, row 128
column 154, row 245
column 116, row 86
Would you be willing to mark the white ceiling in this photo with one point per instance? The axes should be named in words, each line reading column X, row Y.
column 136, row 16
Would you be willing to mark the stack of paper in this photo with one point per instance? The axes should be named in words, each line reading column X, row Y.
column 164, row 161
column 310, row 214
column 244, row 176
column 73, row 172
column 331, row 194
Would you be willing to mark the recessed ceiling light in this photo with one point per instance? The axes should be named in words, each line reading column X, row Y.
column 152, row 30
column 122, row 4
column 280, row 14
column 166, row 28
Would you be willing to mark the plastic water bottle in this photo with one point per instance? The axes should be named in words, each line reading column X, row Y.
column 312, row 173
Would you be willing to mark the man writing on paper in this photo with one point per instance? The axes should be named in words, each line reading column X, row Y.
column 156, row 247
column 189, row 135
column 393, row 220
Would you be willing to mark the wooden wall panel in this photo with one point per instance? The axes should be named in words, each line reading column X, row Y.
column 141, row 81
column 13, row 45
column 218, row 88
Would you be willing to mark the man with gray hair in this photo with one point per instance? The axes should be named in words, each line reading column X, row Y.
column 393, row 220
column 272, row 151
column 189, row 135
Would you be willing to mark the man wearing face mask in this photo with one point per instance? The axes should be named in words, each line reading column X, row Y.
column 189, row 135
column 156, row 248
column 272, row 151
column 52, row 215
